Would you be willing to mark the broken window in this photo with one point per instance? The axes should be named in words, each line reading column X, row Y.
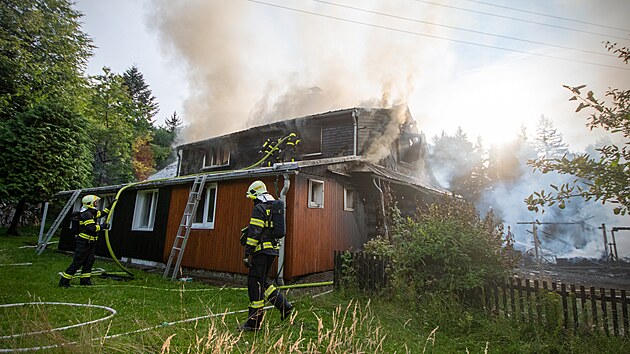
column 216, row 156
column 144, row 212
column 348, row 199
column 204, row 217
column 409, row 148
column 310, row 140
column 315, row 193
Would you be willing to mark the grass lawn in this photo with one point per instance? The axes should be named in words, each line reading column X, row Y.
column 152, row 315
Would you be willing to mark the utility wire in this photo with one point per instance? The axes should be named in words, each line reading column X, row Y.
column 550, row 16
column 436, row 37
column 466, row 29
column 521, row 20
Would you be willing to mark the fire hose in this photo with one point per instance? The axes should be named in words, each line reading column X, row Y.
column 270, row 152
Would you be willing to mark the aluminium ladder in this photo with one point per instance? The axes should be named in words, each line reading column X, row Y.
column 179, row 244
column 42, row 245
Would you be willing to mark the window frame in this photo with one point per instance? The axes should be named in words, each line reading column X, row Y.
column 349, row 206
column 140, row 204
column 306, row 134
column 205, row 224
column 213, row 152
column 312, row 183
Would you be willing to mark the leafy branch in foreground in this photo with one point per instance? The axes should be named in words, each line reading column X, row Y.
column 603, row 179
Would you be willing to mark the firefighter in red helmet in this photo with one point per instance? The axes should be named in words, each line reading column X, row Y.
column 89, row 229
column 261, row 249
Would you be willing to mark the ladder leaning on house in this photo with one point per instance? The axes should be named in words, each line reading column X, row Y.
column 43, row 243
column 179, row 244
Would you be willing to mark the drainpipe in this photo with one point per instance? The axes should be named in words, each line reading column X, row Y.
column 283, row 197
column 382, row 205
column 179, row 161
column 355, row 120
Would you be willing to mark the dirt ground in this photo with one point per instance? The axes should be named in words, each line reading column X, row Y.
column 613, row 275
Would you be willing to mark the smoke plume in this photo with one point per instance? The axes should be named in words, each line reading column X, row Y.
column 250, row 64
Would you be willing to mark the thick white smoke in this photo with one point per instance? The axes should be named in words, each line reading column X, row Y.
column 250, row 64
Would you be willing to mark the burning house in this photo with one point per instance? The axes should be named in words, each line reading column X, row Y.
column 350, row 166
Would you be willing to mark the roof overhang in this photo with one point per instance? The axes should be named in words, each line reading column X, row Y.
column 276, row 169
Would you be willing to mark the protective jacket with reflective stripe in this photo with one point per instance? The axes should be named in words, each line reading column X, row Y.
column 89, row 227
column 259, row 235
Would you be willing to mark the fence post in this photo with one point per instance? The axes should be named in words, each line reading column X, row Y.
column 538, row 303
column 574, row 307
column 602, row 293
column 613, row 310
column 520, row 299
column 565, row 307
column 624, row 312
column 594, row 307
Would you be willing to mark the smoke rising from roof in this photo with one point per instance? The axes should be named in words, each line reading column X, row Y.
column 248, row 64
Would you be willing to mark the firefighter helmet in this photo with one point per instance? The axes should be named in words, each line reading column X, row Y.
column 256, row 189
column 90, row 201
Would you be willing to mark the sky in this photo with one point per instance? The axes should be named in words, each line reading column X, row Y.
column 228, row 65
column 489, row 67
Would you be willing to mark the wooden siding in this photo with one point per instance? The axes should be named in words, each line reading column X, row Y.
column 145, row 245
column 215, row 249
column 321, row 231
column 337, row 140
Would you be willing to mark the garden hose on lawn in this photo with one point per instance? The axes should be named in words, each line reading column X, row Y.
column 126, row 272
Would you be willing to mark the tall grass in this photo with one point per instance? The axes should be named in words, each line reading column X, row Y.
column 159, row 316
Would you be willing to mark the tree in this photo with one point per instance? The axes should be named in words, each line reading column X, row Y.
column 112, row 131
column 548, row 141
column 43, row 54
column 173, row 123
column 605, row 178
column 458, row 164
column 142, row 159
column 44, row 151
column 144, row 104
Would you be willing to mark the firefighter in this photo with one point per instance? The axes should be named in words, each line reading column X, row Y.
column 261, row 249
column 291, row 145
column 89, row 229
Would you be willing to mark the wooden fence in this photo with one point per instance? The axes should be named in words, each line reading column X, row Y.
column 575, row 308
column 367, row 272
column 554, row 305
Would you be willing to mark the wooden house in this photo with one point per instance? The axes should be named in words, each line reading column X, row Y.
column 350, row 166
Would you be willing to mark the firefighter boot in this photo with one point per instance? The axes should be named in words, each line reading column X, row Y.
column 64, row 282
column 85, row 282
column 253, row 320
column 280, row 302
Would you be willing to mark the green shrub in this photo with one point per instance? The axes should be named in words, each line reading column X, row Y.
column 446, row 247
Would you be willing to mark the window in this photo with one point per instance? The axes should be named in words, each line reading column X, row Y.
column 310, row 140
column 216, row 156
column 409, row 148
column 204, row 217
column 348, row 199
column 144, row 213
column 315, row 194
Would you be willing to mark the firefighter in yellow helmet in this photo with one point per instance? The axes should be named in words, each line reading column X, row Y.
column 89, row 229
column 261, row 249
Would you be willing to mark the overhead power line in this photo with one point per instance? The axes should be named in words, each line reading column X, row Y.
column 466, row 29
column 521, row 20
column 434, row 36
column 550, row 16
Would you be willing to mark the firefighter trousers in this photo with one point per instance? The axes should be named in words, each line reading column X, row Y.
column 259, row 289
column 83, row 258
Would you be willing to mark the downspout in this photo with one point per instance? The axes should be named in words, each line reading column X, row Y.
column 382, row 206
column 283, row 197
column 355, row 120
column 179, row 161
